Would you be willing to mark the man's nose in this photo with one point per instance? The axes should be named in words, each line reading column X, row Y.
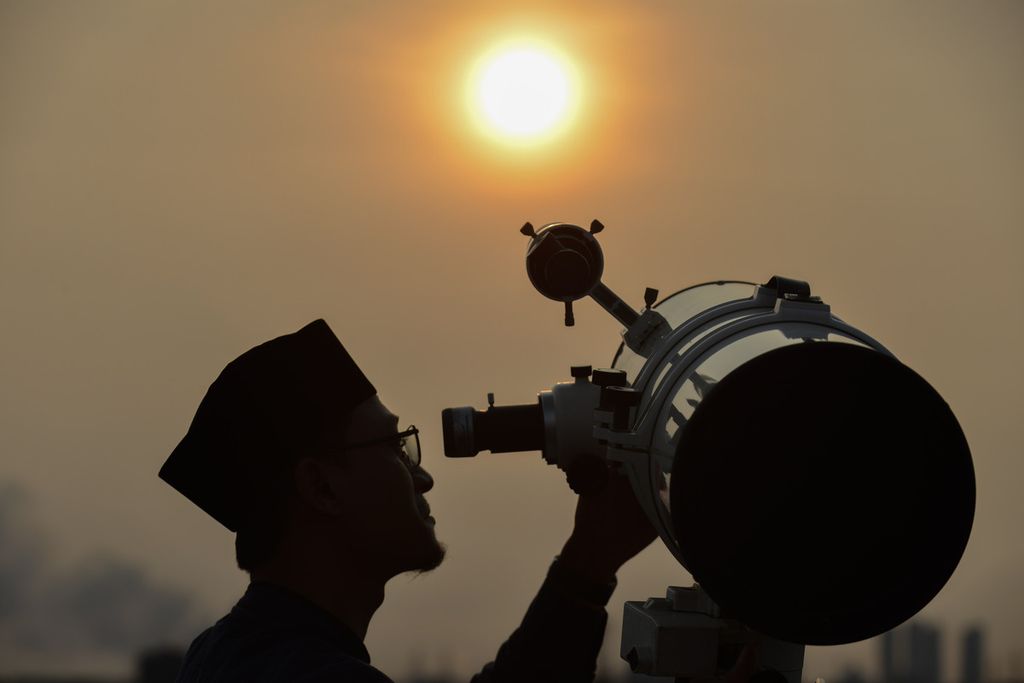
column 422, row 481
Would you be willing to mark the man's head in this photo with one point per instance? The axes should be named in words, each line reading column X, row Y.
column 291, row 446
column 363, row 497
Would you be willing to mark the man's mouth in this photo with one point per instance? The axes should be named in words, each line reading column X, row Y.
column 424, row 509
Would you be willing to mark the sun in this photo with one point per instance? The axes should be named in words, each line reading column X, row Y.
column 523, row 92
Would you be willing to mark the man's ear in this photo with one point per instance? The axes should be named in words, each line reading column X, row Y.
column 315, row 485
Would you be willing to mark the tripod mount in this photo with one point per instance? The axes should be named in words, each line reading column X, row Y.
column 685, row 636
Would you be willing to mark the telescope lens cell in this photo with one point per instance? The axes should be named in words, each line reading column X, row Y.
column 564, row 262
column 567, row 274
column 822, row 493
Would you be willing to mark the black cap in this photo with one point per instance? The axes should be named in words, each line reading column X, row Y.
column 268, row 406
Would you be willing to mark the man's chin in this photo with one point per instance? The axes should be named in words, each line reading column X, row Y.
column 422, row 553
column 433, row 559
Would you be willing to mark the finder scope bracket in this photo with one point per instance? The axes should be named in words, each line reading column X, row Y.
column 565, row 263
column 791, row 290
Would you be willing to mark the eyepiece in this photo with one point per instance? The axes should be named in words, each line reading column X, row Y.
column 457, row 428
column 499, row 429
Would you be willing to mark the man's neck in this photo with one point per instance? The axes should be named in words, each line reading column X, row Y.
column 349, row 595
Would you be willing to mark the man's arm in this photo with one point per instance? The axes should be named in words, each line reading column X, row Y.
column 560, row 636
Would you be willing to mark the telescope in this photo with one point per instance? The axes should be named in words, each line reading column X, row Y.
column 817, row 489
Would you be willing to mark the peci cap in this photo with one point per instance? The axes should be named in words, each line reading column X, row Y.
column 268, row 406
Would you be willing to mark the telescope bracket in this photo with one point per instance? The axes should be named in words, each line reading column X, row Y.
column 802, row 309
column 646, row 331
column 622, row 446
column 684, row 635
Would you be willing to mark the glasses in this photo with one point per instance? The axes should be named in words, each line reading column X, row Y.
column 408, row 444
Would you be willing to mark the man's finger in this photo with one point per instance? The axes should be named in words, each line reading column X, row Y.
column 744, row 667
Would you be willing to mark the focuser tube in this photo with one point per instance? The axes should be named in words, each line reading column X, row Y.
column 499, row 429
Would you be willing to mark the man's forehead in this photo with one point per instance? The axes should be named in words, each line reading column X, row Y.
column 377, row 417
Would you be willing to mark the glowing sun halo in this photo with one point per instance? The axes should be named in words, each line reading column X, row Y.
column 523, row 93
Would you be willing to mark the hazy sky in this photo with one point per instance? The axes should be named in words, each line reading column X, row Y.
column 181, row 181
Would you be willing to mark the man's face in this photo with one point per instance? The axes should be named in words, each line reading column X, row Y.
column 387, row 518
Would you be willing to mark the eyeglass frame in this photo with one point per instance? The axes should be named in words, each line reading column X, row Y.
column 411, row 430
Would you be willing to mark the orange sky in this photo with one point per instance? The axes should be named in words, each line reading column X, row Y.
column 181, row 181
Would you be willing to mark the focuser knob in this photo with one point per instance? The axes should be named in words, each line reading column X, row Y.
column 580, row 371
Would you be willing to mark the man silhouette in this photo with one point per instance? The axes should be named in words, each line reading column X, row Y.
column 292, row 449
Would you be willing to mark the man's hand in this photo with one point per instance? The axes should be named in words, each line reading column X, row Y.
column 745, row 666
column 610, row 529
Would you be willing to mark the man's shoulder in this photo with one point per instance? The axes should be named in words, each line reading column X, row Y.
column 342, row 672
column 229, row 652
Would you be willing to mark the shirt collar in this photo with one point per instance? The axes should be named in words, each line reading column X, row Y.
column 287, row 609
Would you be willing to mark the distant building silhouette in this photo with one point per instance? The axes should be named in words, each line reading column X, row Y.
column 624, row 676
column 159, row 665
column 57, row 679
column 972, row 656
column 850, row 675
column 911, row 654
